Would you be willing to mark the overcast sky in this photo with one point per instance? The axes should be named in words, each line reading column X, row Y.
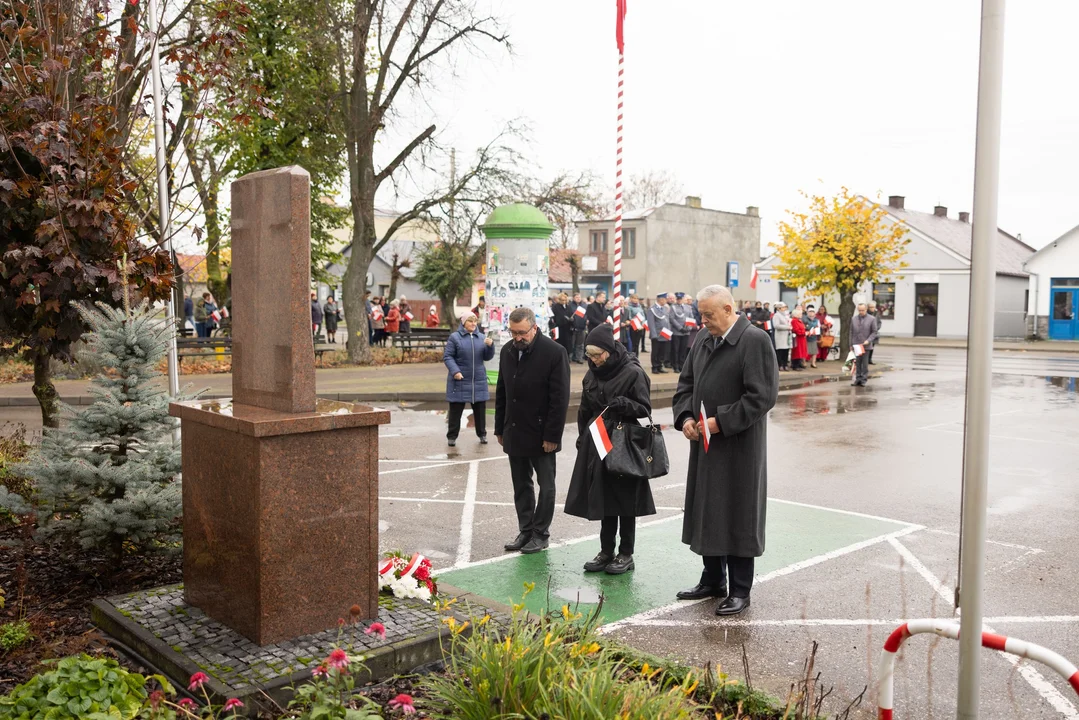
column 750, row 102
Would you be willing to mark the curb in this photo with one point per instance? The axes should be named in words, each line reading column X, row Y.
column 1046, row 346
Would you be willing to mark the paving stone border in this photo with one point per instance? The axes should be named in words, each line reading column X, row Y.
column 179, row 640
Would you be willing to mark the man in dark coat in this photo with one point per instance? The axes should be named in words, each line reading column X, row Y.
column 580, row 328
column 618, row 388
column 531, row 400
column 562, row 321
column 732, row 374
column 597, row 313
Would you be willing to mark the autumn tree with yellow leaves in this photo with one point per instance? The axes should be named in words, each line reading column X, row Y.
column 839, row 245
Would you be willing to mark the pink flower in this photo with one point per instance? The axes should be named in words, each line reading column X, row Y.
column 320, row 671
column 197, row 680
column 187, row 704
column 376, row 628
column 231, row 704
column 338, row 659
column 156, row 698
column 404, row 702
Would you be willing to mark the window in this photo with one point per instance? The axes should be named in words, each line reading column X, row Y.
column 884, row 297
column 1062, row 305
column 1065, row 282
column 599, row 241
column 629, row 288
column 629, row 243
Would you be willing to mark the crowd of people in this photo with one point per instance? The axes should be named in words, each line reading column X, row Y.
column 387, row 317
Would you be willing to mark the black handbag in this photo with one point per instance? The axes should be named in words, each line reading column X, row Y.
column 637, row 451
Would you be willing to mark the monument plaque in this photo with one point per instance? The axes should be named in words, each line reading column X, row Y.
column 280, row 489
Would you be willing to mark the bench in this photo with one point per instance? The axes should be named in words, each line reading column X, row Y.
column 203, row 347
column 422, row 339
column 325, row 347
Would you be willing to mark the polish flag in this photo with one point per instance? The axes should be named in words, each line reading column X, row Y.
column 753, row 279
column 666, row 333
column 646, row 325
column 409, row 316
column 554, row 333
column 600, row 437
column 706, row 434
column 224, row 311
column 376, row 313
column 216, row 315
column 691, row 322
column 579, row 312
column 858, row 350
column 767, row 325
column 610, row 321
column 636, row 323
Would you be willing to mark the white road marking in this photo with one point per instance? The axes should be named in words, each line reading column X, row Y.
column 464, row 543
column 1028, row 672
column 841, row 622
column 848, row 512
column 492, row 503
column 1016, row 546
column 794, row 567
column 447, row 463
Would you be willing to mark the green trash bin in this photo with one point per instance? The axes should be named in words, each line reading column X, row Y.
column 492, row 377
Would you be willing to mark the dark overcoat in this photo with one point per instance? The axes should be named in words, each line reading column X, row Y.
column 532, row 397
column 594, row 492
column 465, row 353
column 562, row 318
column 727, row 487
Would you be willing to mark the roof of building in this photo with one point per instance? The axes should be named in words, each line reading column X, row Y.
column 1065, row 238
column 637, row 214
column 956, row 235
column 559, row 270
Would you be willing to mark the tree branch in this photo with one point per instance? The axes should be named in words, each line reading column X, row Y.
column 403, row 155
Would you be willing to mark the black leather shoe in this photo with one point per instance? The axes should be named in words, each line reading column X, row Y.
column 732, row 606
column 621, row 564
column 535, row 545
column 699, row 592
column 519, row 543
column 483, row 439
column 452, row 443
column 599, row 563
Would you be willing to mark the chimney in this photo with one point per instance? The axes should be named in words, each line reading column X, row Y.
column 964, row 217
column 693, row 201
column 753, row 211
column 940, row 211
column 895, row 201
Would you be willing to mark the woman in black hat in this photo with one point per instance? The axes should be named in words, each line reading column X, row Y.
column 615, row 382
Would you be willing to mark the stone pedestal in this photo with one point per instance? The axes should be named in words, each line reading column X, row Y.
column 280, row 515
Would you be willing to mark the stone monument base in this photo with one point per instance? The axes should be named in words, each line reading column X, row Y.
column 160, row 630
column 280, row 515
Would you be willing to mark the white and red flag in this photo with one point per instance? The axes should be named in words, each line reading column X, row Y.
column 619, row 35
column 767, row 325
column 666, row 333
column 610, row 321
column 600, row 437
column 636, row 323
column 859, row 350
column 691, row 322
column 554, row 333
column 579, row 312
column 376, row 313
column 753, row 278
column 409, row 316
column 706, row 434
column 216, row 315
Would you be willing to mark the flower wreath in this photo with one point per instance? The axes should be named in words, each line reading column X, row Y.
column 407, row 577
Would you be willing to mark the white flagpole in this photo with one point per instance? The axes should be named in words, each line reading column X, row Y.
column 154, row 23
column 980, row 356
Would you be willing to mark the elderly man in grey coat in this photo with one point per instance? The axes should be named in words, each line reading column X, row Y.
column 729, row 383
column 863, row 331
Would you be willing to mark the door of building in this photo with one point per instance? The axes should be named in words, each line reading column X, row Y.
column 925, row 310
column 1064, row 314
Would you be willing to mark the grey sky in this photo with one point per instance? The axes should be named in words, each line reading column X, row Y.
column 749, row 102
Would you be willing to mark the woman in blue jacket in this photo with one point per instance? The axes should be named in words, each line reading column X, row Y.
column 465, row 354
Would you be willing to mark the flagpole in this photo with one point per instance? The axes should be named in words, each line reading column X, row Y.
column 980, row 357
column 616, row 294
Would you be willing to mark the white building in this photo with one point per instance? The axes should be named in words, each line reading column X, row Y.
column 1053, row 305
column 931, row 297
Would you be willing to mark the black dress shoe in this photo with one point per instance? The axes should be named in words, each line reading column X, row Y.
column 519, row 543
column 732, row 606
column 599, row 563
column 699, row 592
column 452, row 443
column 483, row 439
column 622, row 563
column 535, row 545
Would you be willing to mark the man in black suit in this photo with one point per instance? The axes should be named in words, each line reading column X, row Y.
column 597, row 312
column 531, row 400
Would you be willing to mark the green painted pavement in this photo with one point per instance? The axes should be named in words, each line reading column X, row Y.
column 663, row 564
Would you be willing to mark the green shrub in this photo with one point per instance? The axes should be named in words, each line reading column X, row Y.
column 555, row 667
column 79, row 686
column 14, row 634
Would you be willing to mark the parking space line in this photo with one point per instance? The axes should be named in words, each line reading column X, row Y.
column 794, row 567
column 491, row 503
column 464, row 544
column 840, row 622
column 1016, row 546
column 847, row 512
column 440, row 464
column 1035, row 679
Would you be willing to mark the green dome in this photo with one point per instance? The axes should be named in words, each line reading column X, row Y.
column 517, row 220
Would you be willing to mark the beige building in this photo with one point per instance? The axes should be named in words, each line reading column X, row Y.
column 673, row 248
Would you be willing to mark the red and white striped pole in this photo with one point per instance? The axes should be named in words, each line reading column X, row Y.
column 616, row 294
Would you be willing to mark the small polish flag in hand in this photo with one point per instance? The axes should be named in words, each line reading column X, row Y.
column 409, row 316
column 224, row 311
column 579, row 312
column 376, row 314
column 859, row 350
column 554, row 333
column 610, row 321
column 636, row 323
column 767, row 325
column 216, row 315
column 706, row 434
column 691, row 322
column 666, row 333
column 600, row 437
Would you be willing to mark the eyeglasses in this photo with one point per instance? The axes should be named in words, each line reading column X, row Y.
column 522, row 333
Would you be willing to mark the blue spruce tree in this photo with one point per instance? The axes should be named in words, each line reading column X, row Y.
column 110, row 474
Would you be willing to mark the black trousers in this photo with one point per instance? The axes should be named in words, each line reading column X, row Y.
column 577, row 355
column 869, row 352
column 532, row 518
column 479, row 411
column 679, row 351
column 638, row 341
column 782, row 355
column 610, row 525
column 734, row 572
column 660, row 349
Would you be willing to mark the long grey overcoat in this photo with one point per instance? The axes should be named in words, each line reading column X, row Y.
column 727, row 488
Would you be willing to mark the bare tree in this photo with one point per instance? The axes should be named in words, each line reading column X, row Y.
column 567, row 199
column 652, row 188
column 382, row 47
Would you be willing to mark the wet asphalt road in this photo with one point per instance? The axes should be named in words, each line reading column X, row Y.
column 893, row 450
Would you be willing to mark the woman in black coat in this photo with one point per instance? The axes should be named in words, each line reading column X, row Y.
column 614, row 381
column 562, row 320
